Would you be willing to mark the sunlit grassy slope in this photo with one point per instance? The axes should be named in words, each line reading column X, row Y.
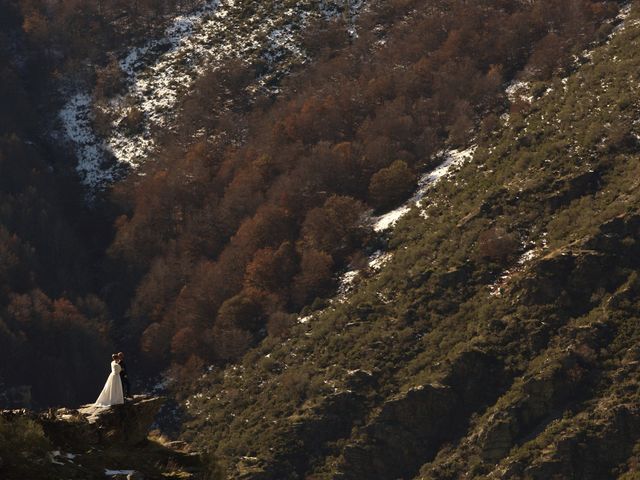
column 500, row 340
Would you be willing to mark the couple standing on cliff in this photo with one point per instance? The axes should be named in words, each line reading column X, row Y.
column 113, row 392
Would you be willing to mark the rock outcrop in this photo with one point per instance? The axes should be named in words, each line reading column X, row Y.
column 411, row 426
column 127, row 424
column 535, row 398
column 88, row 442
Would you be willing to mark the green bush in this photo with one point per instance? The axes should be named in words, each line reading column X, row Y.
column 20, row 439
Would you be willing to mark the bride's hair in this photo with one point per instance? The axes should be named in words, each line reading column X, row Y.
column 114, row 356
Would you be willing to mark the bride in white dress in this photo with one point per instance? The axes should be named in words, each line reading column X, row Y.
column 112, row 392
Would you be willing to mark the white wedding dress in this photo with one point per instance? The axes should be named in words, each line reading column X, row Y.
column 112, row 392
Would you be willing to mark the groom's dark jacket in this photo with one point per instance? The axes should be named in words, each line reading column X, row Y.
column 124, row 377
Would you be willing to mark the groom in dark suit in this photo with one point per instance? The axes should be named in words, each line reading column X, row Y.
column 123, row 376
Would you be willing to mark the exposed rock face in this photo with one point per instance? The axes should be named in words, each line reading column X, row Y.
column 359, row 380
column 534, row 400
column 560, row 275
column 572, row 186
column 599, row 441
column 305, row 436
column 570, row 275
column 410, row 427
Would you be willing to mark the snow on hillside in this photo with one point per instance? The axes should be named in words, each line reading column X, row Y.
column 160, row 72
column 76, row 122
column 519, row 90
column 452, row 161
column 498, row 287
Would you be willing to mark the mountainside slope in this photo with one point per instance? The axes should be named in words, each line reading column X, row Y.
column 500, row 338
column 138, row 98
column 252, row 203
column 226, row 236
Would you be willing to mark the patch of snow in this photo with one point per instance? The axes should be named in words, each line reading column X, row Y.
column 305, row 319
column 111, row 473
column 497, row 288
column 452, row 161
column 527, row 256
column 346, row 283
column 76, row 121
column 621, row 18
column 52, row 456
column 378, row 259
column 388, row 220
column 162, row 385
column 349, row 277
column 518, row 90
column 383, row 298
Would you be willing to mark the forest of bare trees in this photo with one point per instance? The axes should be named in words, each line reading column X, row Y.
column 231, row 233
